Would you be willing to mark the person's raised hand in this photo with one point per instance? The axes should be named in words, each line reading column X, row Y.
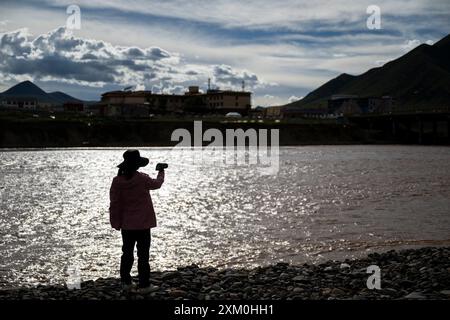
column 161, row 166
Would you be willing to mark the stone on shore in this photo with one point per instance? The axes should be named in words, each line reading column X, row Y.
column 414, row 274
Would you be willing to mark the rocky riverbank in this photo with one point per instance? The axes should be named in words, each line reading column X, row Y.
column 409, row 274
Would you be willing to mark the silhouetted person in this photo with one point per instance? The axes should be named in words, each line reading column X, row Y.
column 131, row 211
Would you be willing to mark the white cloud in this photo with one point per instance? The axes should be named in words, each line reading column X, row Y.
column 139, row 87
column 411, row 44
column 294, row 98
column 268, row 100
column 59, row 55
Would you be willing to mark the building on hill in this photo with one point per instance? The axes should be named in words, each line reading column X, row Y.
column 144, row 103
column 273, row 112
column 353, row 105
column 25, row 103
column 21, row 103
column 225, row 101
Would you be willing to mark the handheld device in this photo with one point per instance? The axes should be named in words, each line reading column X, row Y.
column 161, row 166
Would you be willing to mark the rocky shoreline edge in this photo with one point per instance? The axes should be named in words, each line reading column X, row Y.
column 408, row 274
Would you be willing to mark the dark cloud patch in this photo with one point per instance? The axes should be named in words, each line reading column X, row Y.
column 59, row 67
column 226, row 75
column 157, row 53
column 89, row 56
column 150, row 76
column 14, row 44
column 192, row 73
column 134, row 52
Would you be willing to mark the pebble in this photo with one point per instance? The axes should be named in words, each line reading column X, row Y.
column 177, row 293
column 337, row 292
column 408, row 274
column 415, row 295
column 298, row 278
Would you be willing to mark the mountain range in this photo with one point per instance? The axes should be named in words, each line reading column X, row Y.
column 420, row 78
column 28, row 89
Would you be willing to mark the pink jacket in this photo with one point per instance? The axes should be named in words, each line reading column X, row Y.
column 131, row 206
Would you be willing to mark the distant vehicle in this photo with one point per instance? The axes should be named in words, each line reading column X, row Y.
column 35, row 116
column 233, row 115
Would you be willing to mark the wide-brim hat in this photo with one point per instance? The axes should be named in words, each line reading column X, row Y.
column 132, row 158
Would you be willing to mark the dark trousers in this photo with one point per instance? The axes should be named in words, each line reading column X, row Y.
column 129, row 239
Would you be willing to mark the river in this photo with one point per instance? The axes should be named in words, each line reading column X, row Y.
column 325, row 202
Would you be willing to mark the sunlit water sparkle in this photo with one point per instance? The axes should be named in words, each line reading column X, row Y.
column 326, row 202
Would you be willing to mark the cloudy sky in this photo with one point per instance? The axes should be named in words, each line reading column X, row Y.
column 281, row 49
